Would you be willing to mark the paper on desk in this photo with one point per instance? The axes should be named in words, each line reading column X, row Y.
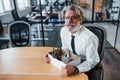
column 61, row 64
column 56, row 62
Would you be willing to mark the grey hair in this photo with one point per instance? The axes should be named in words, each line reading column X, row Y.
column 78, row 10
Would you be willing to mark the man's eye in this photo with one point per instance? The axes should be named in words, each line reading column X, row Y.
column 67, row 17
column 74, row 17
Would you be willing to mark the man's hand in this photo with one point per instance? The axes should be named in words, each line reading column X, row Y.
column 68, row 70
column 46, row 58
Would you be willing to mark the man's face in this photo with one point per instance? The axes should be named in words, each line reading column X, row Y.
column 72, row 20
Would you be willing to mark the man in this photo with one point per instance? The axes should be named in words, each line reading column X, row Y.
column 78, row 40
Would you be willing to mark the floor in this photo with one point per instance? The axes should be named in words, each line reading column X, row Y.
column 111, row 65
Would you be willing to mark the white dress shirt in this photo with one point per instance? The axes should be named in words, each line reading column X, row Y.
column 86, row 45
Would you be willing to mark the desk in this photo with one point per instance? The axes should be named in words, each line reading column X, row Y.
column 26, row 63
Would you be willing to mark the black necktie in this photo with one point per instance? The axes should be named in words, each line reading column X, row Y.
column 73, row 44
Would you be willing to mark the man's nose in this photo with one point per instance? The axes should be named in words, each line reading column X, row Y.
column 70, row 20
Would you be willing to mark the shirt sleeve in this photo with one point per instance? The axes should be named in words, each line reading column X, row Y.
column 92, row 57
column 62, row 35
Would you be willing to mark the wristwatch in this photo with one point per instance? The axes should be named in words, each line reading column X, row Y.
column 76, row 70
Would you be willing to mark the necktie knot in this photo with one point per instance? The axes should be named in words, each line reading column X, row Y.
column 73, row 36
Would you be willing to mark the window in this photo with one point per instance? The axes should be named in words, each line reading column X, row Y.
column 22, row 4
column 26, row 3
column 5, row 5
column 38, row 2
column 1, row 7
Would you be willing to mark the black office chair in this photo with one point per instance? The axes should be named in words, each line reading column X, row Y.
column 19, row 34
column 100, row 32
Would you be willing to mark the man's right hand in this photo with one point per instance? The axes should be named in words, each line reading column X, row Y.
column 46, row 58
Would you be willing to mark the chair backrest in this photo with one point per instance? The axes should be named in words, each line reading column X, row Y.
column 15, row 15
column 19, row 34
column 1, row 27
column 100, row 32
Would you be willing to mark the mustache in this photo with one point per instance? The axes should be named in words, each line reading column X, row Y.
column 73, row 29
column 72, row 25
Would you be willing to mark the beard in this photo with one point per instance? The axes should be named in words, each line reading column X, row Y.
column 73, row 28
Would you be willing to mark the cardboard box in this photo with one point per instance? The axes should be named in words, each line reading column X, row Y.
column 76, row 61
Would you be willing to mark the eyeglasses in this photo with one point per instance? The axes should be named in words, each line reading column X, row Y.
column 71, row 17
